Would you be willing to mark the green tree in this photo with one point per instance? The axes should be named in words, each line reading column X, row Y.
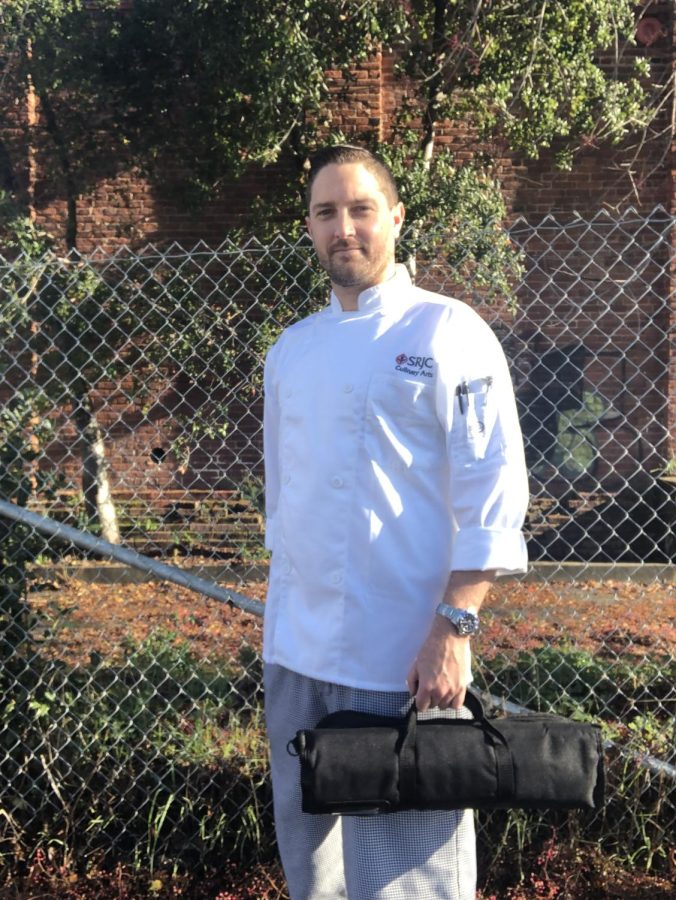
column 50, row 50
column 214, row 84
column 527, row 71
column 221, row 84
column 61, row 330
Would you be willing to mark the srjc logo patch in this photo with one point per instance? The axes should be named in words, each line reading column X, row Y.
column 415, row 365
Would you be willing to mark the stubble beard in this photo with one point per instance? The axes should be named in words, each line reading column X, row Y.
column 355, row 270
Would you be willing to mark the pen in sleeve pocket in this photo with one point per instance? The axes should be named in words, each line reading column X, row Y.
column 463, row 390
column 460, row 392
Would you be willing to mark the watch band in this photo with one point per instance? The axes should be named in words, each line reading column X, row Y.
column 465, row 622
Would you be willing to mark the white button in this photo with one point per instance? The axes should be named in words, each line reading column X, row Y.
column 336, row 578
column 348, row 388
column 337, row 481
column 288, row 392
column 286, row 479
column 286, row 568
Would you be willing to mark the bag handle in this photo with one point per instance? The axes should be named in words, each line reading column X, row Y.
column 473, row 703
column 408, row 776
column 408, row 772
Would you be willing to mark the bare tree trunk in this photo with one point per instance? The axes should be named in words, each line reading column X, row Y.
column 54, row 131
column 98, row 499
column 431, row 109
column 8, row 180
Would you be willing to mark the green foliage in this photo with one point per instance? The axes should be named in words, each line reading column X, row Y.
column 233, row 79
column 61, row 330
column 159, row 758
column 67, row 324
column 530, row 71
column 634, row 704
column 22, row 428
column 669, row 469
column 570, row 681
column 252, row 489
column 219, row 85
column 455, row 213
column 71, row 323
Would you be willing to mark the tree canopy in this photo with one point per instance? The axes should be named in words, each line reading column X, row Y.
column 216, row 85
column 529, row 70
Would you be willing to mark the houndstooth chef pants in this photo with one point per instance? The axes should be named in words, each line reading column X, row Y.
column 397, row 856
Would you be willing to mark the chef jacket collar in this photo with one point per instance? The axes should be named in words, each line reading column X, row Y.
column 387, row 297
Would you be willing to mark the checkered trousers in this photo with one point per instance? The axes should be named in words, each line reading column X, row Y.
column 397, row 856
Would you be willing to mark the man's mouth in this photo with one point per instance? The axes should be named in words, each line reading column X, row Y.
column 349, row 249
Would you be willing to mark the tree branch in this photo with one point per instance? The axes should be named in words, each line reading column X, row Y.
column 54, row 132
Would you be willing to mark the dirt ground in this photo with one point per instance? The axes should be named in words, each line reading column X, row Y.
column 623, row 618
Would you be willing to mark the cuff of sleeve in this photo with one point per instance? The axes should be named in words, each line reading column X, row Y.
column 483, row 549
column 269, row 533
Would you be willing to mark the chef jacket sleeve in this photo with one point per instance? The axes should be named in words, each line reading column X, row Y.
column 271, row 446
column 488, row 488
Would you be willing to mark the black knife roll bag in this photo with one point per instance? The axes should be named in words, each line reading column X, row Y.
column 358, row 763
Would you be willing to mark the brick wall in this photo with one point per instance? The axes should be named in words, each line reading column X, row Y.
column 121, row 207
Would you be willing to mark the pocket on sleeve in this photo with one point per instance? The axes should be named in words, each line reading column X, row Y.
column 472, row 430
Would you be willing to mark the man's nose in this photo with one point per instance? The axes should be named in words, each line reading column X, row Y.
column 344, row 225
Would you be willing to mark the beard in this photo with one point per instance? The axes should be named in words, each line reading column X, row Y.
column 353, row 269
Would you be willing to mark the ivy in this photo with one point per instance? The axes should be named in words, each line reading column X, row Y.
column 195, row 92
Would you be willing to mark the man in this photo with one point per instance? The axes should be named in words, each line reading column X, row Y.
column 396, row 492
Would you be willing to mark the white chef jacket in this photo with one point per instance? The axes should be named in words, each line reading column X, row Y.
column 393, row 455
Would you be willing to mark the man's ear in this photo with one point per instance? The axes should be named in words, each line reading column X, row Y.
column 398, row 215
column 308, row 226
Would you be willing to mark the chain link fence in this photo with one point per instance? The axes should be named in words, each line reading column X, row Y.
column 131, row 408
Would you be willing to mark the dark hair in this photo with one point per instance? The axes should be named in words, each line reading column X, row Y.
column 340, row 154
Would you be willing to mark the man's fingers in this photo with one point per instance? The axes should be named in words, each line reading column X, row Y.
column 422, row 702
column 412, row 681
column 423, row 698
column 429, row 698
column 459, row 699
column 434, row 690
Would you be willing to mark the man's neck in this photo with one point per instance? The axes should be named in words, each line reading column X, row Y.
column 349, row 296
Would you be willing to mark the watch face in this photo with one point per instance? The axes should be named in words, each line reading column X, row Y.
column 463, row 621
column 466, row 623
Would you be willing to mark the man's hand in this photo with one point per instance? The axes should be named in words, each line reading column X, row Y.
column 441, row 672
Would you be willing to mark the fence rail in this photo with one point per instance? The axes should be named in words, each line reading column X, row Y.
column 130, row 389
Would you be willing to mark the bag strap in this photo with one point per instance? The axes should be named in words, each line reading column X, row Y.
column 408, row 770
column 503, row 756
column 408, row 777
column 474, row 705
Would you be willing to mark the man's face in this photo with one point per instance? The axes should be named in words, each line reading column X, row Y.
column 352, row 226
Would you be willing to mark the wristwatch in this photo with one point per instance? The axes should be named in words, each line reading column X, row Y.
column 464, row 621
